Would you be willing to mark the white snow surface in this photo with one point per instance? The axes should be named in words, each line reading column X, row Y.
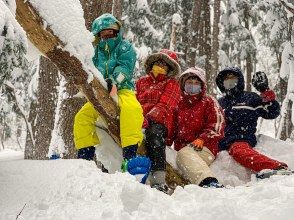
column 66, row 19
column 76, row 189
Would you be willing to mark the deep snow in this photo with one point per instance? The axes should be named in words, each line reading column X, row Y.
column 76, row 189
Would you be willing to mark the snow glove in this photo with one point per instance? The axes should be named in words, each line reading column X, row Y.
column 260, row 82
column 138, row 166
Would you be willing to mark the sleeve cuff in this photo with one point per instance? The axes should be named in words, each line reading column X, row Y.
column 120, row 78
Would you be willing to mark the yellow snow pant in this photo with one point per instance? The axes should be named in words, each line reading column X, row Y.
column 131, row 120
column 194, row 165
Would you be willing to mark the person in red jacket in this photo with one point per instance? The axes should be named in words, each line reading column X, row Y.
column 199, row 126
column 159, row 94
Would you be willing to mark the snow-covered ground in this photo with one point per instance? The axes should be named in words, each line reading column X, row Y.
column 76, row 189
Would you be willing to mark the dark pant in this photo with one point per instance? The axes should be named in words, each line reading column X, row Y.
column 86, row 153
column 155, row 146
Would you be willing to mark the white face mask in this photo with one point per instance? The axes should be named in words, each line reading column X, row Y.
column 192, row 89
column 230, row 83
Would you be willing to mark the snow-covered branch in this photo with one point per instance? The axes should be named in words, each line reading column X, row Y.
column 21, row 111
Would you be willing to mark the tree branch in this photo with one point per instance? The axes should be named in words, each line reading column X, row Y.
column 288, row 7
column 11, row 88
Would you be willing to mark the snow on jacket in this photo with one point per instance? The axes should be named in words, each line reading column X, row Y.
column 160, row 98
column 242, row 110
column 114, row 57
column 198, row 116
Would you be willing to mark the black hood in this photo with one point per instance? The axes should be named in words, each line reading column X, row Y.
column 236, row 71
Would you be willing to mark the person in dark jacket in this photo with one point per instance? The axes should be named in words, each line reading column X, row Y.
column 242, row 110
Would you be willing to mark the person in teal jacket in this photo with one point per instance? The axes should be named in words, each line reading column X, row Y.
column 115, row 58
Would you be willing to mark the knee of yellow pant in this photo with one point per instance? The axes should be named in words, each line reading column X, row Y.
column 131, row 109
column 78, row 117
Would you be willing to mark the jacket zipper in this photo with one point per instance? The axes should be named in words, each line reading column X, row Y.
column 106, row 62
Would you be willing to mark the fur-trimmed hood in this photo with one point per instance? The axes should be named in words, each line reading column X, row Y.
column 169, row 57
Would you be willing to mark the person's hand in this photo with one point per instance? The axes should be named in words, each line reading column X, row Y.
column 268, row 96
column 113, row 91
column 260, row 82
column 197, row 144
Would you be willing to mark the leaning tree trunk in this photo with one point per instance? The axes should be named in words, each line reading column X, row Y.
column 71, row 104
column 71, row 68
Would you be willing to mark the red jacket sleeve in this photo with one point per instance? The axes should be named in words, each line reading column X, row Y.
column 167, row 104
column 215, row 122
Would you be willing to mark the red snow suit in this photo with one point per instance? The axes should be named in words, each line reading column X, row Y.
column 245, row 155
column 198, row 116
column 159, row 100
column 160, row 96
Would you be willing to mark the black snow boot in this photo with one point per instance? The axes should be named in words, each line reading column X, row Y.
column 211, row 182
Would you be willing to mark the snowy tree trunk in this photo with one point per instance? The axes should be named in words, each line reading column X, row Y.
column 215, row 43
column 117, row 8
column 30, row 139
column 249, row 60
column 93, row 9
column 68, row 109
column 286, row 126
column 194, row 29
column 187, row 6
column 173, row 37
column 47, row 100
column 207, row 49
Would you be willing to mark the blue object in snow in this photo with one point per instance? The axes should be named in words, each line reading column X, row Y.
column 139, row 165
column 54, row 156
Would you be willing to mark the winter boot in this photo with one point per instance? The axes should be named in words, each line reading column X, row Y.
column 157, row 181
column 268, row 173
column 211, row 182
column 86, row 153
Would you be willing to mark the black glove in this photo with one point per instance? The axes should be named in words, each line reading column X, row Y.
column 109, row 84
column 260, row 81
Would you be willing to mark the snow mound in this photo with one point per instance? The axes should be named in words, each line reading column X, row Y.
column 76, row 189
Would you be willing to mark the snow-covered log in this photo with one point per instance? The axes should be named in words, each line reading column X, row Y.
column 42, row 36
column 53, row 48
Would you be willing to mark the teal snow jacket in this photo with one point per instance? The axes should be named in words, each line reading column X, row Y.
column 115, row 58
